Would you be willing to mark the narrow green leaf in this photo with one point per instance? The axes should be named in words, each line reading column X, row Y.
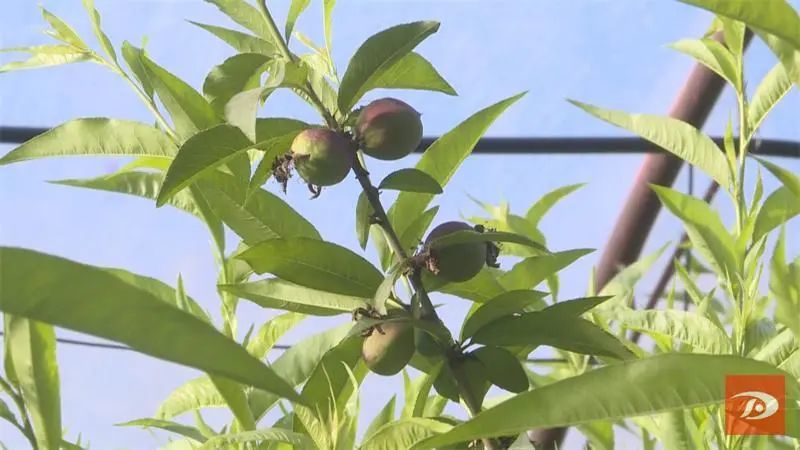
column 559, row 331
column 775, row 85
column 412, row 71
column 261, row 217
column 442, row 159
column 174, row 427
column 777, row 209
column 704, row 227
column 295, row 9
column 193, row 395
column 528, row 273
column 236, row 74
column 328, row 387
column 297, row 363
column 200, row 154
column 46, row 56
column 33, row 352
column 274, row 136
column 386, row 288
column 773, row 16
column 404, row 433
column 687, row 327
column 327, row 24
column 236, row 399
column 258, row 437
column 363, row 213
column 138, row 184
column 241, row 42
column 315, row 264
column 410, row 180
column 713, row 55
column 576, row 307
column 95, row 137
column 544, row 204
column 133, row 57
column 503, row 305
column 790, row 180
column 268, row 335
column 378, row 52
column 633, row 388
column 98, row 30
column 280, row 294
column 675, row 136
column 481, row 288
column 87, row 299
column 417, row 392
column 190, row 112
column 503, row 369
column 384, row 416
column 788, row 55
column 246, row 15
column 62, row 31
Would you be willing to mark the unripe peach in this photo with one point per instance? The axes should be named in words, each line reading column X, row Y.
column 389, row 129
column 459, row 262
column 388, row 349
column 321, row 156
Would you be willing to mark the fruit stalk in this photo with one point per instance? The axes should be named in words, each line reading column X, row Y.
column 427, row 310
column 382, row 220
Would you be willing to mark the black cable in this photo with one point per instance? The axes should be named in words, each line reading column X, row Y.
column 518, row 145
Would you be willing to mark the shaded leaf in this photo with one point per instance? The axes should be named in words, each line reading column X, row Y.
column 469, row 236
column 410, row 180
column 502, row 368
column 503, row 305
column 559, row 331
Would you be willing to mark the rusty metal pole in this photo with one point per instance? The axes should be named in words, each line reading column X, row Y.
column 693, row 104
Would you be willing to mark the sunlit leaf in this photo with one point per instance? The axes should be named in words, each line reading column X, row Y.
column 315, row 264
column 236, row 74
column 174, row 427
column 675, row 136
column 687, row 327
column 242, row 42
column 378, row 52
column 33, row 351
column 632, row 388
column 90, row 300
column 280, row 294
column 95, row 137
column 528, row 273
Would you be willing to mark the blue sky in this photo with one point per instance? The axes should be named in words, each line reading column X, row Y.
column 609, row 53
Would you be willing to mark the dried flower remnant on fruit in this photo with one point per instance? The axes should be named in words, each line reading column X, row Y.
column 388, row 129
column 282, row 170
column 457, row 262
